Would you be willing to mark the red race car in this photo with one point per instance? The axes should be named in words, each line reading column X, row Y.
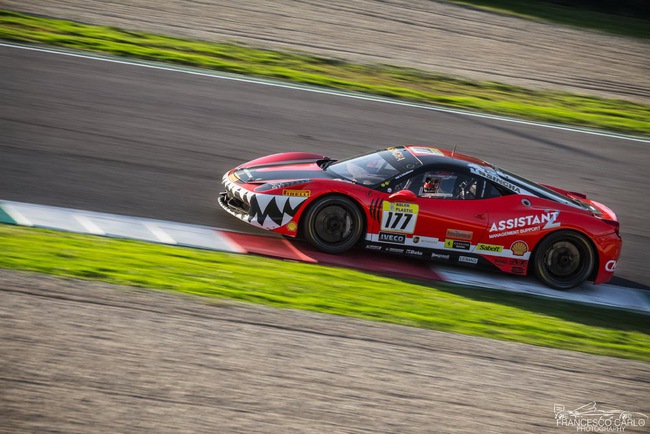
column 429, row 203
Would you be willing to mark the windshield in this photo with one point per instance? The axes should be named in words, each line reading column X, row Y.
column 375, row 168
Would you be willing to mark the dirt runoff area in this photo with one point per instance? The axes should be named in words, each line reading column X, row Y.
column 425, row 34
column 82, row 357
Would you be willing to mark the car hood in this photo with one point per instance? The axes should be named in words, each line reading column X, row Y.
column 262, row 174
column 281, row 171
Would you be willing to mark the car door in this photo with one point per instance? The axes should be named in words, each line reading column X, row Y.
column 448, row 217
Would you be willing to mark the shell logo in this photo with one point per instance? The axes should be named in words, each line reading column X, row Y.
column 519, row 248
column 292, row 226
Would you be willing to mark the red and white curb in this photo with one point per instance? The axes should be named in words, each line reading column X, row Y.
column 203, row 237
column 109, row 225
column 607, row 295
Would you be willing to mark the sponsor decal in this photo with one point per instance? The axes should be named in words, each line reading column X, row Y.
column 548, row 219
column 519, row 248
column 517, row 270
column 385, row 183
column 276, row 185
column 458, row 234
column 501, row 261
column 439, row 256
column 399, row 217
column 422, row 150
column 489, row 248
column 249, row 174
column 455, row 244
column 515, row 232
column 296, row 193
column 518, row 262
column 399, row 156
column 414, row 252
column 373, row 247
column 292, row 226
column 425, row 241
column 493, row 176
column 610, row 266
column 392, row 238
column 467, row 260
column 394, row 250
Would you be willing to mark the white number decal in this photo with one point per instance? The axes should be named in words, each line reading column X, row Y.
column 399, row 217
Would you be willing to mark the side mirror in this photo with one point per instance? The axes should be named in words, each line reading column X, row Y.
column 403, row 196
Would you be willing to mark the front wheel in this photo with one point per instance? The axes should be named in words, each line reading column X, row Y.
column 564, row 259
column 333, row 224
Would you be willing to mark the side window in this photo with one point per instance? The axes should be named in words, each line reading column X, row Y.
column 414, row 183
column 450, row 185
column 441, row 184
column 494, row 190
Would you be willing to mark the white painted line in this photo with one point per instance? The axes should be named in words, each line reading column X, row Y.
column 160, row 234
column 343, row 94
column 89, row 225
column 16, row 215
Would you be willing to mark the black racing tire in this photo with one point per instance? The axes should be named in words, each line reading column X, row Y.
column 333, row 224
column 564, row 259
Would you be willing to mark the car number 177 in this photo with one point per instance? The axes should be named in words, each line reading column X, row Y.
column 399, row 217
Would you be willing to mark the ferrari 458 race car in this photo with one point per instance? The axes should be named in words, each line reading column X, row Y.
column 429, row 203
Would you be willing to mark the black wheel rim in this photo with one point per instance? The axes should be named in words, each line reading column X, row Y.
column 334, row 224
column 563, row 259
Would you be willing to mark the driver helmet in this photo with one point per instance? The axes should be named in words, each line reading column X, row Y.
column 431, row 184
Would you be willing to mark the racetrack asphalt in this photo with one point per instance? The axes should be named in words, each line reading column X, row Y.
column 120, row 138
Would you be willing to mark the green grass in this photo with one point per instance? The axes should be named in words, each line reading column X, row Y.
column 386, row 81
column 283, row 284
column 578, row 17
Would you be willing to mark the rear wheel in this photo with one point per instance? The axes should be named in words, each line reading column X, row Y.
column 333, row 224
column 564, row 260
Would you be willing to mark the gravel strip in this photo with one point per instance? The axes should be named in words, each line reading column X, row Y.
column 80, row 357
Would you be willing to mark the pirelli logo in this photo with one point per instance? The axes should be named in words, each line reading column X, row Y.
column 296, row 193
column 489, row 248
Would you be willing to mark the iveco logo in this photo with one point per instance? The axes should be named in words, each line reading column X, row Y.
column 392, row 238
column 610, row 266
